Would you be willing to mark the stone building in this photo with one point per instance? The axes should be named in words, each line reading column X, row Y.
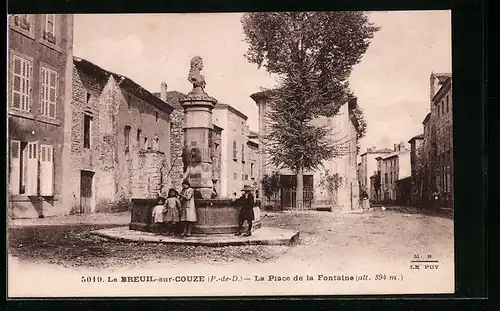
column 443, row 122
column 428, row 160
column 417, row 167
column 438, row 140
column 368, row 167
column 252, row 169
column 120, row 141
column 316, row 194
column 40, row 57
column 395, row 169
column 234, row 150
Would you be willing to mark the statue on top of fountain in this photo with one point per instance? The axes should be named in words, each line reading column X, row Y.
column 198, row 81
column 195, row 76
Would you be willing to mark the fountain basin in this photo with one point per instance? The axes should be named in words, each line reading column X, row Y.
column 215, row 216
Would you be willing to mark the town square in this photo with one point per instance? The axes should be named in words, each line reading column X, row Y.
column 266, row 147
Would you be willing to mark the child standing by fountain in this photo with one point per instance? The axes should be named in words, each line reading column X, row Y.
column 172, row 211
column 158, row 214
column 188, row 215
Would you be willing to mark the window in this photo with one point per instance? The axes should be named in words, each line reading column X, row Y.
column 235, row 176
column 49, row 33
column 243, row 153
column 22, row 21
column 21, row 83
column 49, row 93
column 87, row 130
column 138, row 138
column 24, row 167
column 156, row 116
column 447, row 103
column 146, row 143
column 235, row 151
column 88, row 97
column 251, row 169
column 127, row 138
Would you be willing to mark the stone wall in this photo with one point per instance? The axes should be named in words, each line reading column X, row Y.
column 217, row 154
column 176, row 146
column 93, row 96
column 119, row 172
column 148, row 174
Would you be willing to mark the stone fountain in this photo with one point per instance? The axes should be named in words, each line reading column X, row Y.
column 215, row 215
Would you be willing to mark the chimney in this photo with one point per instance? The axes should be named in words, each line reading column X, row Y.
column 374, row 148
column 395, row 147
column 163, row 92
column 368, row 149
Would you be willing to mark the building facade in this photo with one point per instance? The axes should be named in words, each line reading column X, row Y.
column 417, row 168
column 316, row 194
column 234, row 164
column 120, row 141
column 438, row 141
column 368, row 167
column 40, row 57
column 442, row 102
column 395, row 174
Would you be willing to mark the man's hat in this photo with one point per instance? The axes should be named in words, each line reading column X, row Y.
column 247, row 188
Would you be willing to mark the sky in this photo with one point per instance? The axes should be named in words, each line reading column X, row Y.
column 391, row 81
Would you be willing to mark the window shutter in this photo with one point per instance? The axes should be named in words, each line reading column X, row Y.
column 28, row 86
column 15, row 166
column 46, row 170
column 53, row 94
column 32, row 169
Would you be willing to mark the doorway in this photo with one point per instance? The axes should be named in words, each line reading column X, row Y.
column 86, row 192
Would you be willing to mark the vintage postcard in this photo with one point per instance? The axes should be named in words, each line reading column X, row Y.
column 230, row 154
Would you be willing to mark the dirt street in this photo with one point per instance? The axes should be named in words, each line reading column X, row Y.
column 346, row 239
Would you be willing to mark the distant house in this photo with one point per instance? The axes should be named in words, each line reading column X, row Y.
column 368, row 167
column 417, row 167
column 343, row 127
column 235, row 163
column 395, row 171
column 120, row 140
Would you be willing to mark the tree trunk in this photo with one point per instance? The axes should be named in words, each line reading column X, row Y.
column 299, row 198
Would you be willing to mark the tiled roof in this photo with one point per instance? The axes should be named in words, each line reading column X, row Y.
column 173, row 98
column 123, row 81
column 419, row 136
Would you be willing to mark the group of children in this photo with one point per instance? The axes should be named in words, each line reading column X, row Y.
column 178, row 208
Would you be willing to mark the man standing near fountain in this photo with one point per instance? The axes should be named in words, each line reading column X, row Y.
column 246, row 212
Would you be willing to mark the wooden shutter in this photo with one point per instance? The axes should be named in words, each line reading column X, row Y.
column 15, row 166
column 27, row 86
column 46, row 170
column 32, row 169
column 16, row 82
column 52, row 93
column 45, row 91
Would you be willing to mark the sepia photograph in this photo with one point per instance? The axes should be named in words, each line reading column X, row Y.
column 230, row 154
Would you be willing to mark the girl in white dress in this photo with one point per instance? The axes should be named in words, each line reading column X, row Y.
column 188, row 215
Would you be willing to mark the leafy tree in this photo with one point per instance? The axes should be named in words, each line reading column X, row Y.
column 312, row 54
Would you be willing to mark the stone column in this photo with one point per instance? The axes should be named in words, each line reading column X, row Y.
column 198, row 141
